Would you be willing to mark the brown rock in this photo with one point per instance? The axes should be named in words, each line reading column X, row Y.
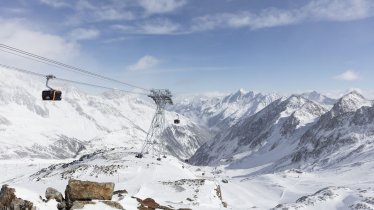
column 84, row 191
column 150, row 203
column 52, row 193
column 61, row 206
column 20, row 204
column 7, row 195
column 8, row 200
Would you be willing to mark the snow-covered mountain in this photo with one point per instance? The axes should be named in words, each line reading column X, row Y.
column 345, row 134
column 222, row 112
column 264, row 137
column 319, row 98
column 250, row 162
column 296, row 132
column 30, row 127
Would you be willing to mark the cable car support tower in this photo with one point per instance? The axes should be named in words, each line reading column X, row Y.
column 153, row 143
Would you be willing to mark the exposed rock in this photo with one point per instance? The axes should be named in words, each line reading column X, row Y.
column 52, row 193
column 150, row 203
column 62, row 206
column 8, row 200
column 117, row 192
column 20, row 204
column 86, row 191
column 219, row 195
column 7, row 195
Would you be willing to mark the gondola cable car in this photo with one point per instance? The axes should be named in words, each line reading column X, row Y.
column 51, row 94
column 177, row 121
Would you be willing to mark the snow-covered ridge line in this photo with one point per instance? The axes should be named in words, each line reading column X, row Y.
column 295, row 132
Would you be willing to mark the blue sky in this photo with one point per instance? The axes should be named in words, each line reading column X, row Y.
column 195, row 46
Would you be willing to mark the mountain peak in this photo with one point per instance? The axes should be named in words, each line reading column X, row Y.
column 296, row 99
column 234, row 97
column 354, row 93
column 242, row 91
column 350, row 103
column 319, row 98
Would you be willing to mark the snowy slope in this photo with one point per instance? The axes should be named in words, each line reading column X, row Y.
column 251, row 161
column 179, row 185
column 31, row 127
column 264, row 137
column 222, row 112
column 342, row 135
column 319, row 98
column 169, row 181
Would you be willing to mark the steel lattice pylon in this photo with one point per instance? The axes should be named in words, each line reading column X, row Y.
column 153, row 143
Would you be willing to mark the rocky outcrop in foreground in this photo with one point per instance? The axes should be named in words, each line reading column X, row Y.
column 9, row 201
column 78, row 194
column 81, row 193
column 86, row 191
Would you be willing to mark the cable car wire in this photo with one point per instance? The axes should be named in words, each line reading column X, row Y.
column 20, row 55
column 66, row 66
column 66, row 80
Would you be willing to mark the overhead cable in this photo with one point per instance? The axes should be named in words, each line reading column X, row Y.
column 66, row 66
column 66, row 80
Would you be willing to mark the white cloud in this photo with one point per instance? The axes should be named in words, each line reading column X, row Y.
column 161, row 6
column 23, row 35
column 27, row 36
column 268, row 18
column 161, row 26
column 348, row 75
column 144, row 63
column 156, row 26
column 84, row 34
column 97, row 11
column 340, row 10
column 316, row 10
column 55, row 3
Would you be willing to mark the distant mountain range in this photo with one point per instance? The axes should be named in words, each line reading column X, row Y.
column 240, row 130
column 306, row 130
